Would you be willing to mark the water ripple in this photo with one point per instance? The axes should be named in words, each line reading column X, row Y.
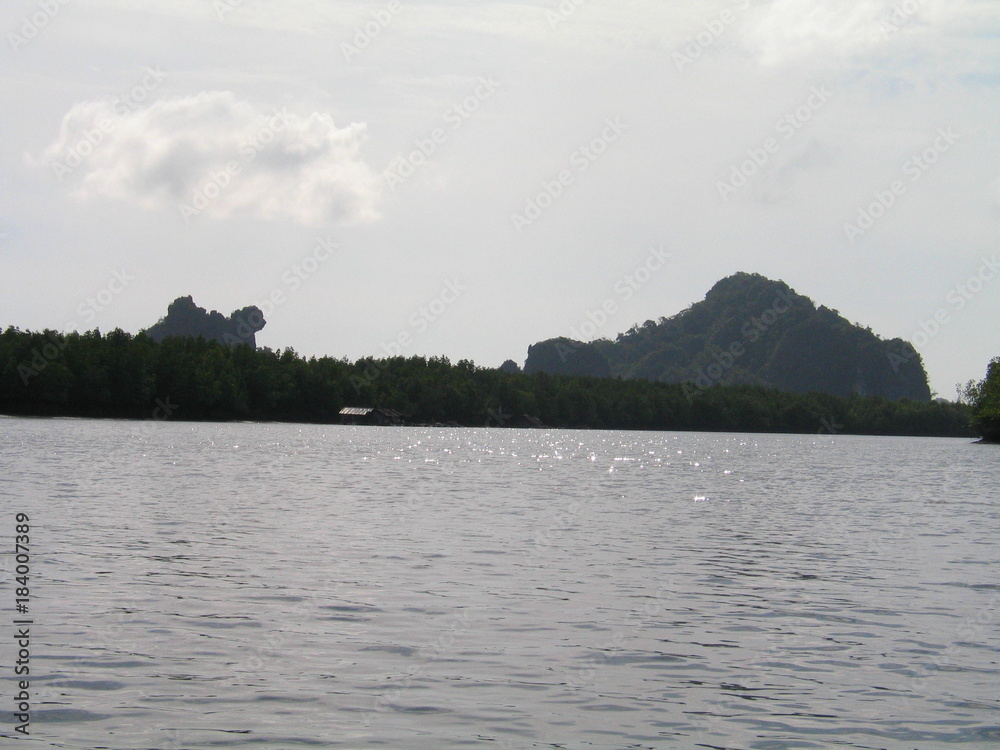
column 421, row 588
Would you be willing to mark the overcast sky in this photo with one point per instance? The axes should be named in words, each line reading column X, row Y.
column 490, row 172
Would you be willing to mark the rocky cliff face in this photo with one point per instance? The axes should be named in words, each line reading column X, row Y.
column 564, row 356
column 185, row 318
column 749, row 330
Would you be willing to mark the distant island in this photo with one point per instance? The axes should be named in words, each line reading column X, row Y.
column 749, row 330
column 185, row 318
column 752, row 357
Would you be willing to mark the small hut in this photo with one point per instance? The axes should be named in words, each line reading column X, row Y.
column 499, row 419
column 363, row 415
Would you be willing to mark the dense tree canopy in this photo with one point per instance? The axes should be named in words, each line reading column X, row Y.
column 121, row 375
column 984, row 397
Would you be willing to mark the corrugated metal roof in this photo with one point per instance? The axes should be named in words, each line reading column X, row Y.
column 354, row 411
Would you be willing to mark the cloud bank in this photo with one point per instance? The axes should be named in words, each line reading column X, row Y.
column 214, row 155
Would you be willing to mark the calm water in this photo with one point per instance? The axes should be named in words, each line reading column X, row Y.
column 285, row 586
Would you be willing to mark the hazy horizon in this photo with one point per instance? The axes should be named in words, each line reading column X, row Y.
column 477, row 177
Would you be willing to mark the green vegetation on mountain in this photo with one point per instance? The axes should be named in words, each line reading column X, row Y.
column 749, row 330
column 564, row 356
column 121, row 375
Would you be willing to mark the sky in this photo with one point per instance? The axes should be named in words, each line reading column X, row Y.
column 468, row 178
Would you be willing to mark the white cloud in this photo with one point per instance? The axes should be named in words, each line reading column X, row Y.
column 897, row 32
column 214, row 155
column 786, row 30
column 894, row 88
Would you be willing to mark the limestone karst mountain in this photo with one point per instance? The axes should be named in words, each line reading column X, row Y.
column 748, row 330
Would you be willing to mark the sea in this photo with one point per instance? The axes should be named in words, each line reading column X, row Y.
column 203, row 585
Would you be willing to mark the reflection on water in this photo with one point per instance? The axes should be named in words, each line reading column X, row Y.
column 281, row 586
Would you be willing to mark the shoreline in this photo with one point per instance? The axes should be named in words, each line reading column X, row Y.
column 543, row 428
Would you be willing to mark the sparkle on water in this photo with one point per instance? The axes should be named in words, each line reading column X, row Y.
column 282, row 586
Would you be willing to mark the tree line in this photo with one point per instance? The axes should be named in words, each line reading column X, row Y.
column 984, row 399
column 181, row 378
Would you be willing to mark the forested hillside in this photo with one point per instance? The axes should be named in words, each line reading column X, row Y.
column 121, row 375
column 749, row 330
